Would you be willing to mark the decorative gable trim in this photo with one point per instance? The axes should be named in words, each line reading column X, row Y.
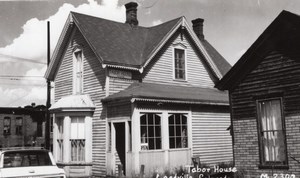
column 183, row 23
column 59, row 51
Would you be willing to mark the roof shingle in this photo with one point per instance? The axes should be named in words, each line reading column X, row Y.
column 171, row 92
column 121, row 43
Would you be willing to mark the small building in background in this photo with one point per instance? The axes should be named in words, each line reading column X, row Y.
column 22, row 126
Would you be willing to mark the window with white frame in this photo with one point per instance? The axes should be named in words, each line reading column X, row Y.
column 150, row 131
column 178, row 136
column 19, row 125
column 271, row 130
column 78, row 71
column 6, row 125
column 77, row 139
column 60, row 140
column 179, row 64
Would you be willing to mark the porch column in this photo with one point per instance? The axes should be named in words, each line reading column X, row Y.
column 136, row 141
column 113, row 146
column 88, row 138
column 190, row 134
column 55, row 131
column 165, row 137
column 66, row 136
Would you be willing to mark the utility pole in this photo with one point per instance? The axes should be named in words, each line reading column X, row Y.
column 48, row 104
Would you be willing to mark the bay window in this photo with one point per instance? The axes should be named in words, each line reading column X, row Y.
column 77, row 138
column 60, row 140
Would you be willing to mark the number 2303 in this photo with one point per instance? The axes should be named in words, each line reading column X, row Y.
column 278, row 176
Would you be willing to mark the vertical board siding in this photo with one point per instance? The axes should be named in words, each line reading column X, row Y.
column 211, row 141
column 93, row 85
column 160, row 69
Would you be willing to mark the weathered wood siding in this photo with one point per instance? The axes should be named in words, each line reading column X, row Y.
column 93, row 85
column 160, row 69
column 212, row 141
column 276, row 73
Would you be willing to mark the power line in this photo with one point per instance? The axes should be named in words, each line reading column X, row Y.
column 22, row 85
column 9, row 57
column 21, row 76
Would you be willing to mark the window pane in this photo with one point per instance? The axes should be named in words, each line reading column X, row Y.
column 150, row 131
column 171, row 131
column 172, row 142
column 178, row 130
column 158, row 143
column 179, row 60
column 184, row 120
column 151, row 144
column 157, row 131
column 143, row 120
column 150, row 119
column 272, row 135
column 171, row 119
column 157, row 120
column 77, row 128
column 177, row 118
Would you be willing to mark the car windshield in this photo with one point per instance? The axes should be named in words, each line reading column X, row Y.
column 26, row 158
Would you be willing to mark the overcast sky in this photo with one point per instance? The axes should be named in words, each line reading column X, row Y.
column 231, row 26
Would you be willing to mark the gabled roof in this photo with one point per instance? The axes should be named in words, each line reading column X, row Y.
column 171, row 94
column 131, row 47
column 283, row 34
column 120, row 43
column 217, row 58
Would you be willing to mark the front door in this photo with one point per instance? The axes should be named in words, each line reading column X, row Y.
column 120, row 154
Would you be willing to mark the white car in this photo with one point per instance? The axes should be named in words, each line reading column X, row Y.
column 28, row 163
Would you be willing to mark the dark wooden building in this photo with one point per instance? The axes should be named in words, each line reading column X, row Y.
column 264, row 92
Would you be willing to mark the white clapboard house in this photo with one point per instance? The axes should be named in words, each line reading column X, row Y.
column 127, row 96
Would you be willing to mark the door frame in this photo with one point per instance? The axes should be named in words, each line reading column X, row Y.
column 113, row 143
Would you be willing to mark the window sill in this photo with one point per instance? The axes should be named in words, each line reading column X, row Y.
column 179, row 80
column 261, row 166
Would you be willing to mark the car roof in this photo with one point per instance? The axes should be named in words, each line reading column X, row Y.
column 12, row 149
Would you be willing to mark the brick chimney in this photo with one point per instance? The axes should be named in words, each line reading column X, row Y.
column 198, row 27
column 131, row 13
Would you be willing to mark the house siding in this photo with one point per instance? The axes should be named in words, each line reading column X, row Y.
column 276, row 73
column 118, row 84
column 160, row 69
column 211, row 139
column 94, row 85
